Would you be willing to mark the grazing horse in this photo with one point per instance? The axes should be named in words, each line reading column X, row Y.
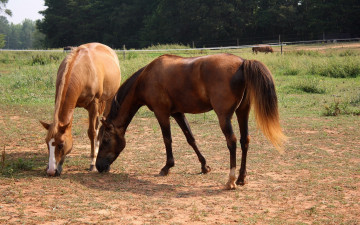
column 172, row 85
column 88, row 77
column 265, row 49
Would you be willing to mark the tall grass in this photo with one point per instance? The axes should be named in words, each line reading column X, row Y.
column 337, row 67
column 29, row 78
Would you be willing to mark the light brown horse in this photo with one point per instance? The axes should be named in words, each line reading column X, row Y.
column 172, row 85
column 265, row 49
column 88, row 77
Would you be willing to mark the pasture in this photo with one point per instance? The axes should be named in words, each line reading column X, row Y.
column 316, row 181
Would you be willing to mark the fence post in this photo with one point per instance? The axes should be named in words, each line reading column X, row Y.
column 124, row 51
column 281, row 48
column 279, row 39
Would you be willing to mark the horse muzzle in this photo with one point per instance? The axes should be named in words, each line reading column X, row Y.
column 102, row 165
column 54, row 171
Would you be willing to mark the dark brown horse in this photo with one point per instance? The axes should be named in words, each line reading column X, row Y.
column 88, row 77
column 172, row 85
column 265, row 49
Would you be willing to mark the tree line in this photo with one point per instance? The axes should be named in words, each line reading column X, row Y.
column 140, row 23
column 20, row 36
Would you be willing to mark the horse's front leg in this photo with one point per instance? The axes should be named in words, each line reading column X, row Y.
column 164, row 122
column 184, row 125
column 93, row 132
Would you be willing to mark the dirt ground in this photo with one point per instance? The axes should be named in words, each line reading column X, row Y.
column 317, row 181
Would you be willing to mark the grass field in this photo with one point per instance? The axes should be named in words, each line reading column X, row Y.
column 317, row 180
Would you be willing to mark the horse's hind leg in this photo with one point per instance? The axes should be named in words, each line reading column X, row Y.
column 226, row 127
column 184, row 125
column 93, row 110
column 164, row 122
column 242, row 114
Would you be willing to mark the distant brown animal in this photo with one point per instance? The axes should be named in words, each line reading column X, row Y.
column 88, row 77
column 68, row 48
column 172, row 86
column 265, row 49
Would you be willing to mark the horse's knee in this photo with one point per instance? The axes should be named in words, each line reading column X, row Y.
column 231, row 142
column 91, row 134
column 244, row 141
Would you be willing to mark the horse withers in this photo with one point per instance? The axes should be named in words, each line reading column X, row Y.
column 171, row 86
column 88, row 77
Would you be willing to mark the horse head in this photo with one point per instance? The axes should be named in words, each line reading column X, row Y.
column 112, row 142
column 59, row 141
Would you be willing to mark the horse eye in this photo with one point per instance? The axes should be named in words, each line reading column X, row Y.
column 60, row 146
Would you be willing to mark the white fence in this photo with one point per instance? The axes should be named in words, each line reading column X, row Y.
column 199, row 49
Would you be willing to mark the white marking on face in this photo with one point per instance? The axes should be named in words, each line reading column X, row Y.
column 52, row 162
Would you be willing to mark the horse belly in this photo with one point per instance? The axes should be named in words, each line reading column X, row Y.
column 191, row 104
column 84, row 100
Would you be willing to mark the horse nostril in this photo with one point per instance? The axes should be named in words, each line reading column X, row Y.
column 103, row 164
column 101, row 167
column 51, row 172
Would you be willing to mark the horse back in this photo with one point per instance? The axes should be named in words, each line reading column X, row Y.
column 190, row 85
column 93, row 73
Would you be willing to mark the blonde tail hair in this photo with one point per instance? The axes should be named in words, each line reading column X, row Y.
column 261, row 93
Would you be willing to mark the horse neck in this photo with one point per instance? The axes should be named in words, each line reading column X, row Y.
column 127, row 111
column 66, row 112
column 66, row 98
column 67, row 103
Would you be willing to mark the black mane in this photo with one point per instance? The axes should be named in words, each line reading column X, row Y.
column 121, row 94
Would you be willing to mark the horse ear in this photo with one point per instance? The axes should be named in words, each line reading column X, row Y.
column 62, row 129
column 45, row 125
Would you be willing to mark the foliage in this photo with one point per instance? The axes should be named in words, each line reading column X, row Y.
column 3, row 8
column 167, row 46
column 21, row 36
column 141, row 23
column 337, row 108
column 2, row 40
column 12, row 167
column 337, row 67
column 43, row 59
column 310, row 85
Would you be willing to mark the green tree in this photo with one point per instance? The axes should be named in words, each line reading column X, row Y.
column 27, row 34
column 139, row 23
column 2, row 40
column 3, row 8
column 20, row 36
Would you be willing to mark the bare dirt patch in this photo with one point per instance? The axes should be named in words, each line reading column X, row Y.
column 308, row 184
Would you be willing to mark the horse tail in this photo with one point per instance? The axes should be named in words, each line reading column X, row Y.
column 61, row 89
column 261, row 94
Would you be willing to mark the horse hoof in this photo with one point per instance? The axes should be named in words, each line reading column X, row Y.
column 241, row 182
column 164, row 173
column 230, row 186
column 92, row 168
column 205, row 169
